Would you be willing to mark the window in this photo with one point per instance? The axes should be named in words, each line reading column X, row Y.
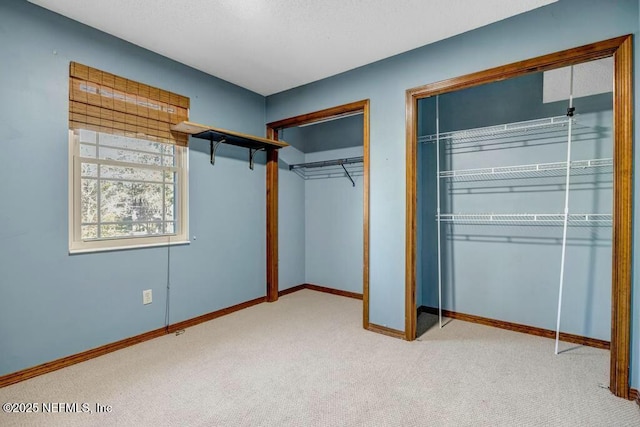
column 125, row 192
column 128, row 176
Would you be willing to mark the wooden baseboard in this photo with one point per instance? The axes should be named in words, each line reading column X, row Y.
column 292, row 290
column 532, row 330
column 370, row 327
column 214, row 315
column 319, row 288
column 634, row 395
column 64, row 362
column 385, row 331
column 333, row 291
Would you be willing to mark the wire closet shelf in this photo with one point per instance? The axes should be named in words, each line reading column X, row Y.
column 566, row 129
column 528, row 219
column 545, row 127
column 537, row 170
column 338, row 168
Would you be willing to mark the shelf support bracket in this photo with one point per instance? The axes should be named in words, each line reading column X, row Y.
column 348, row 175
column 252, row 153
column 213, row 146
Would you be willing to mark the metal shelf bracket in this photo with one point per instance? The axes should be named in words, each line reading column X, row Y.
column 348, row 176
column 252, row 153
column 213, row 146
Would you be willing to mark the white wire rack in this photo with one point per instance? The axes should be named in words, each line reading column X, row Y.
column 511, row 135
column 578, row 167
column 528, row 219
column 549, row 127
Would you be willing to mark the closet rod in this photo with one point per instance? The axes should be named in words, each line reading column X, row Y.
column 325, row 163
column 570, row 112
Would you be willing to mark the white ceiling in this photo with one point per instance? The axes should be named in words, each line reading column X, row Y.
column 269, row 46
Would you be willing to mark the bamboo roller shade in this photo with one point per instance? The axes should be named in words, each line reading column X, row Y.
column 104, row 102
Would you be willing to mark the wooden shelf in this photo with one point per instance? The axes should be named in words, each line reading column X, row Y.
column 216, row 136
column 234, row 138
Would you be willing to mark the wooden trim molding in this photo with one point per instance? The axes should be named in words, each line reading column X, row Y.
column 411, row 110
column 292, row 290
column 316, row 116
column 339, row 292
column 517, row 327
column 622, row 219
column 272, row 221
column 634, row 395
column 365, row 208
column 334, row 112
column 622, row 51
column 214, row 315
column 319, row 288
column 551, row 61
column 64, row 362
column 390, row 332
column 370, row 327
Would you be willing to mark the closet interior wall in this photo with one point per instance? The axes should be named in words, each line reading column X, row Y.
column 511, row 272
column 320, row 209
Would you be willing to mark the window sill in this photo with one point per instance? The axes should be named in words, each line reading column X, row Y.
column 86, row 250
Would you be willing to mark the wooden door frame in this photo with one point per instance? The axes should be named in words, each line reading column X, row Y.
column 272, row 194
column 622, row 51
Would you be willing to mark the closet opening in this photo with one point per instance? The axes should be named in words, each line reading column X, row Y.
column 322, row 193
column 519, row 201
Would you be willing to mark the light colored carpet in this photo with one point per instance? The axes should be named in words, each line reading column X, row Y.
column 306, row 361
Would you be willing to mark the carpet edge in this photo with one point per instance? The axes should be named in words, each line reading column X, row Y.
column 63, row 362
column 517, row 327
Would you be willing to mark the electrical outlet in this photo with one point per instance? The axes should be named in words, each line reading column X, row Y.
column 146, row 297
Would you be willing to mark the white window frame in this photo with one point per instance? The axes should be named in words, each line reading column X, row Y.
column 77, row 245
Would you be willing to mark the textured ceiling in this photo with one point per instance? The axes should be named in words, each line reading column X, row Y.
column 269, row 46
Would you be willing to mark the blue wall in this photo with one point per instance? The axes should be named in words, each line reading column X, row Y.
column 562, row 25
column 334, row 226
column 53, row 304
column 321, row 220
